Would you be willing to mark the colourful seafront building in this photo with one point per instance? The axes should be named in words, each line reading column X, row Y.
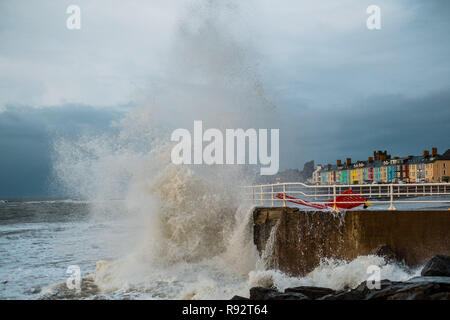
column 382, row 168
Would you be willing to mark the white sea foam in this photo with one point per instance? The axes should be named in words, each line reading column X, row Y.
column 334, row 274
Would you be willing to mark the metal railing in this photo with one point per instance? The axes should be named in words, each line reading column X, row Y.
column 376, row 193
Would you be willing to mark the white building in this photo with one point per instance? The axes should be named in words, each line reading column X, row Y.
column 316, row 178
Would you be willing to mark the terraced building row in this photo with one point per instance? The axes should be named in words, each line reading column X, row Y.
column 382, row 168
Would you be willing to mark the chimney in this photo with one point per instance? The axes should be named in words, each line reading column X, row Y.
column 338, row 163
column 434, row 152
column 348, row 161
column 426, row 153
column 370, row 159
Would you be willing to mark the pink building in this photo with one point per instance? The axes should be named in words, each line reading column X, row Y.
column 370, row 174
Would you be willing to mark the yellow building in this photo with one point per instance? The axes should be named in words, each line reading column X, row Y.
column 429, row 172
column 353, row 176
column 440, row 171
column 412, row 172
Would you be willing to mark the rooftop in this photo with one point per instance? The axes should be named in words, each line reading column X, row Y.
column 388, row 162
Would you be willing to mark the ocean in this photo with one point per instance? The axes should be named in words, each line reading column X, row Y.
column 38, row 241
column 123, row 258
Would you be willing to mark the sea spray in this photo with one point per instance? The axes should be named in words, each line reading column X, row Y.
column 185, row 235
column 192, row 221
column 241, row 253
column 269, row 254
column 334, row 274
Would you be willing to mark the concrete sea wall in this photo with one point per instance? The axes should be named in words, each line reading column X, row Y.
column 295, row 241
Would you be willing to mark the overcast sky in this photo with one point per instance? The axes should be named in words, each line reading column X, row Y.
column 334, row 88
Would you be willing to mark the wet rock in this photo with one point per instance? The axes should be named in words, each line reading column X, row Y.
column 422, row 291
column 60, row 291
column 311, row 292
column 358, row 293
column 440, row 296
column 399, row 291
column 260, row 293
column 442, row 280
column 288, row 296
column 439, row 266
column 338, row 295
column 419, row 288
column 239, row 298
column 407, row 296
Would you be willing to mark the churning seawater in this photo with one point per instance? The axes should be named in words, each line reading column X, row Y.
column 40, row 239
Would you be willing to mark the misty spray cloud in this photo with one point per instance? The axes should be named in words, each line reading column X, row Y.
column 235, row 147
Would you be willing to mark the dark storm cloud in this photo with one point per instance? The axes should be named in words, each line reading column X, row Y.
column 339, row 89
column 401, row 125
column 26, row 136
column 384, row 89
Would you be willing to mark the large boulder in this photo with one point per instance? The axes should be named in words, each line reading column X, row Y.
column 401, row 291
column 260, row 293
column 422, row 289
column 361, row 292
column 440, row 296
column 310, row 292
column 239, row 298
column 438, row 266
column 288, row 296
column 418, row 288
